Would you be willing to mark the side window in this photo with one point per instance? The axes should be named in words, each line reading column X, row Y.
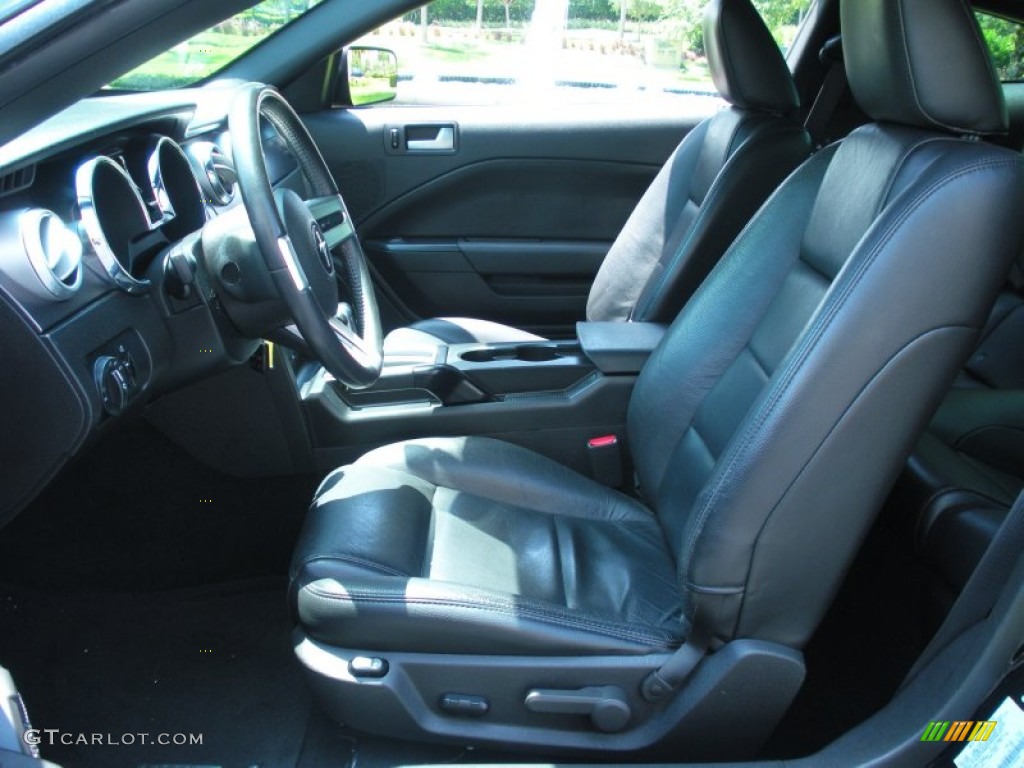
column 560, row 51
column 1005, row 40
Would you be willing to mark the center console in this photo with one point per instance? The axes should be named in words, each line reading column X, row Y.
column 551, row 396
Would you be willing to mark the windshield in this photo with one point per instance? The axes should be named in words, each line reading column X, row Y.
column 208, row 52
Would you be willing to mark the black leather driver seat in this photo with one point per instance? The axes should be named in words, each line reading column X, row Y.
column 470, row 589
column 708, row 189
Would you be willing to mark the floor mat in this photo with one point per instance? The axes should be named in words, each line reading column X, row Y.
column 329, row 745
column 215, row 662
column 135, row 512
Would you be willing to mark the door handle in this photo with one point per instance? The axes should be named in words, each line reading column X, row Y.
column 430, row 138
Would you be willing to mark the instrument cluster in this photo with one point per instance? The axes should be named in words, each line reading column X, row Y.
column 129, row 205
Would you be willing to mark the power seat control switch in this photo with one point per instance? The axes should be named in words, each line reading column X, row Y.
column 464, row 704
column 116, row 381
column 368, row 666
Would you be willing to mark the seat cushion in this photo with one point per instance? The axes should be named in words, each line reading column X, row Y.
column 472, row 545
column 453, row 330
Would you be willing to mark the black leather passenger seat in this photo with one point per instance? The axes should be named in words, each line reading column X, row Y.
column 707, row 191
column 968, row 466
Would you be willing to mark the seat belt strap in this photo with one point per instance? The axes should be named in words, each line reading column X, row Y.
column 832, row 90
column 979, row 595
column 667, row 679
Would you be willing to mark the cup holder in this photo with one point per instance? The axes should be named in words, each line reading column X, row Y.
column 537, row 354
column 527, row 353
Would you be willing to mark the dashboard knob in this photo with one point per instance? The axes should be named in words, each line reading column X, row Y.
column 114, row 383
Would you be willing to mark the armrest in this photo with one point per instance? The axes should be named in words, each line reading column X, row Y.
column 618, row 347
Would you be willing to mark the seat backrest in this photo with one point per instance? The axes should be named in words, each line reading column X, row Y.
column 771, row 421
column 717, row 177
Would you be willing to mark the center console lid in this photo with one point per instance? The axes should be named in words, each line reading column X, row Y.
column 619, row 347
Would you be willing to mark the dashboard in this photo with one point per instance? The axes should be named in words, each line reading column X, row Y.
column 105, row 298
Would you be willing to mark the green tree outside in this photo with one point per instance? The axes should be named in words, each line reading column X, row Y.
column 1006, row 42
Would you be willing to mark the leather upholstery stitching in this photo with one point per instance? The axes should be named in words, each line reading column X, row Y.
column 516, row 611
column 905, row 45
column 809, row 344
column 428, row 552
column 883, row 200
column 838, row 421
column 707, row 447
column 708, row 590
column 814, row 269
column 972, row 24
column 556, row 529
column 763, row 366
column 637, row 513
column 354, row 560
column 982, row 48
column 734, row 82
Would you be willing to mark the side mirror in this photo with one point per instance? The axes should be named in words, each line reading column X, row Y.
column 372, row 75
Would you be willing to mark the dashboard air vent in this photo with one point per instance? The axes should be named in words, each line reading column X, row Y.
column 216, row 172
column 53, row 254
column 15, row 181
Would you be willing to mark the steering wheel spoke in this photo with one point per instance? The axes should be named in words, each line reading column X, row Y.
column 330, row 214
column 353, row 344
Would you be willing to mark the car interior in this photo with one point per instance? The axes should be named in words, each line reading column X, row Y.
column 416, row 435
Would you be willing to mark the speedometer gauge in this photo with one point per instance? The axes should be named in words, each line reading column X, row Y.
column 114, row 217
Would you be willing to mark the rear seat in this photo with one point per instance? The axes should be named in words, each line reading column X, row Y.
column 968, row 466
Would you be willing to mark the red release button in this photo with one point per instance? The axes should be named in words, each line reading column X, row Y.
column 603, row 441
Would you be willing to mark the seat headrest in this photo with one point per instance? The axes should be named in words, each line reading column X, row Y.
column 745, row 62
column 921, row 63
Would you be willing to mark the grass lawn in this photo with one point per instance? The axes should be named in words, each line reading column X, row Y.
column 370, row 90
column 186, row 63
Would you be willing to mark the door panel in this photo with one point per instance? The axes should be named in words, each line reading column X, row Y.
column 540, row 284
column 506, row 216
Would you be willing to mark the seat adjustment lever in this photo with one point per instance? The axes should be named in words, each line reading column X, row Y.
column 606, row 705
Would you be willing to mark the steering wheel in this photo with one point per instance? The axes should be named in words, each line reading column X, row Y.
column 299, row 237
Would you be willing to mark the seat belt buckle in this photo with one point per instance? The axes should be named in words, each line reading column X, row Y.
column 262, row 360
column 605, row 454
